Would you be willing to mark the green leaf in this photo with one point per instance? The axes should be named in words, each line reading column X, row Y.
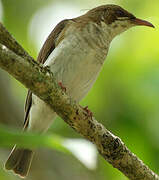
column 10, row 137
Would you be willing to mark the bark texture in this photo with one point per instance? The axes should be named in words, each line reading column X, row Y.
column 41, row 82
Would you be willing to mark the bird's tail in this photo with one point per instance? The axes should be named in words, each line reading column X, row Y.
column 19, row 161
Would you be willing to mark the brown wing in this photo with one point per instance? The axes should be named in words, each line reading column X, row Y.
column 45, row 51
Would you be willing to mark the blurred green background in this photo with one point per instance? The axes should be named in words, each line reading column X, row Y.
column 125, row 97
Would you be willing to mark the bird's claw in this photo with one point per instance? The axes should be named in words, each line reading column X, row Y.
column 89, row 113
column 62, row 87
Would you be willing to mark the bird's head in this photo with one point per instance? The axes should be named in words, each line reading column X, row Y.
column 115, row 18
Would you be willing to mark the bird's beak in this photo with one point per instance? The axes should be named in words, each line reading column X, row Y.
column 140, row 22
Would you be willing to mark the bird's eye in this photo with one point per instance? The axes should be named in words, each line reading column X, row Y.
column 120, row 13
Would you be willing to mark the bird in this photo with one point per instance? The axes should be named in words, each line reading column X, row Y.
column 75, row 52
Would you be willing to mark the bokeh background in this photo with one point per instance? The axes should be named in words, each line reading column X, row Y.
column 125, row 97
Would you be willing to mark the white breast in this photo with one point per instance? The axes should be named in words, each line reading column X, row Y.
column 76, row 64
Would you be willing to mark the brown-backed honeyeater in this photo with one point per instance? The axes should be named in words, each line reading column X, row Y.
column 75, row 52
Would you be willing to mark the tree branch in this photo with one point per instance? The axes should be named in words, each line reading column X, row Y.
column 42, row 82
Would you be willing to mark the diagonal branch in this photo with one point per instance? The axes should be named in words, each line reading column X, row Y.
column 42, row 82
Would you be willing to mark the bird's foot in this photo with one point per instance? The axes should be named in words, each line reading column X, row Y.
column 89, row 113
column 62, row 87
